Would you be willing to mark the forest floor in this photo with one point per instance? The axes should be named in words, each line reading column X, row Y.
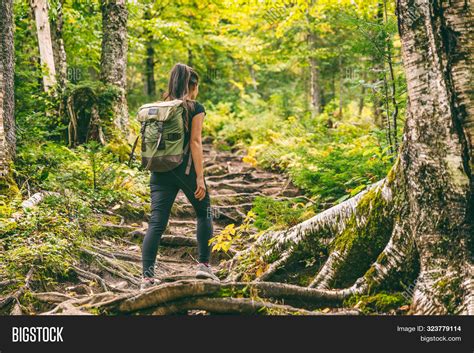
column 108, row 274
column 113, row 266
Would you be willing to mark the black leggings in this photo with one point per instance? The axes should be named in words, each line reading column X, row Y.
column 164, row 188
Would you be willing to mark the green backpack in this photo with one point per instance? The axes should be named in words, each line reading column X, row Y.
column 162, row 134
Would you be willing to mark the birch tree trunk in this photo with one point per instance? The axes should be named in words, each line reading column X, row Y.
column 436, row 158
column 40, row 9
column 59, row 53
column 7, row 62
column 315, row 92
column 113, row 62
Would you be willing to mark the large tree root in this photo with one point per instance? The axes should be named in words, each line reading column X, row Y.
column 181, row 290
column 243, row 306
column 326, row 225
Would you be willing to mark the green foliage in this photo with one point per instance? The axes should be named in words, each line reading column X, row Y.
column 91, row 171
column 232, row 235
column 279, row 214
column 45, row 238
column 333, row 163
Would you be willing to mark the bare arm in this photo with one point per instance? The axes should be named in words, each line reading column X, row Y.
column 196, row 152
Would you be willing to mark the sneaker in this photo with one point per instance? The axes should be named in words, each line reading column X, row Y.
column 148, row 282
column 204, row 271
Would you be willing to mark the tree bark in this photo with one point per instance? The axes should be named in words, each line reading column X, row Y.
column 315, row 91
column 59, row 53
column 43, row 30
column 7, row 62
column 378, row 69
column 341, row 86
column 150, row 83
column 114, row 56
column 436, row 157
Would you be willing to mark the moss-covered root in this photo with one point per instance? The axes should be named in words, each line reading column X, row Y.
column 365, row 235
column 277, row 247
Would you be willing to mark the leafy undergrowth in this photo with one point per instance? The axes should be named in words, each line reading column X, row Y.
column 92, row 187
column 332, row 160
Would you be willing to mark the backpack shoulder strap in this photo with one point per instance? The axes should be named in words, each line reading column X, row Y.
column 133, row 151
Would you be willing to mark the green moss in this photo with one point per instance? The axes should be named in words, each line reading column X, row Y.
column 99, row 231
column 391, row 174
column 363, row 241
column 119, row 148
column 376, row 304
column 8, row 186
column 452, row 295
column 233, row 292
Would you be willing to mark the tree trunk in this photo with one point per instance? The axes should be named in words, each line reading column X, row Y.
column 59, row 53
column 378, row 69
column 113, row 62
column 423, row 211
column 436, row 158
column 315, row 92
column 362, row 95
column 341, row 86
column 40, row 9
column 7, row 62
column 150, row 83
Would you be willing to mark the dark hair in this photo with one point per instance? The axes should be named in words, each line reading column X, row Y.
column 183, row 79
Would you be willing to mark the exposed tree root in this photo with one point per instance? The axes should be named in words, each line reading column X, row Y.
column 328, row 271
column 14, row 298
column 91, row 276
column 112, row 266
column 51, row 297
column 327, row 224
column 181, row 290
column 243, row 306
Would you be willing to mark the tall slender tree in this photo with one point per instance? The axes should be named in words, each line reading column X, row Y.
column 150, row 84
column 113, row 62
column 7, row 62
column 315, row 91
column 59, row 53
column 43, row 31
column 314, row 85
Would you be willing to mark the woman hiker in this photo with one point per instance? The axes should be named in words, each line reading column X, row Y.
column 183, row 85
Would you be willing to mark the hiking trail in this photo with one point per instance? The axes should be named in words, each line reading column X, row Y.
column 108, row 282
